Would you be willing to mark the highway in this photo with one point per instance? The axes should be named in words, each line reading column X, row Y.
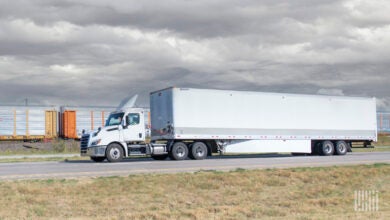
column 86, row 168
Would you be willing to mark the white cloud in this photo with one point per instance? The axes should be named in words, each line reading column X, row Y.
column 69, row 68
column 372, row 12
column 27, row 30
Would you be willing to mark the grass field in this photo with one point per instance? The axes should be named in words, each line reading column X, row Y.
column 383, row 140
column 374, row 149
column 300, row 193
column 59, row 158
column 55, row 146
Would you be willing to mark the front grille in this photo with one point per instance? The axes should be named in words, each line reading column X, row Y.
column 84, row 143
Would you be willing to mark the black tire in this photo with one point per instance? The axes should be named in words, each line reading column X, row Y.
column 179, row 151
column 160, row 157
column 114, row 153
column 98, row 159
column 198, row 151
column 326, row 148
column 341, row 148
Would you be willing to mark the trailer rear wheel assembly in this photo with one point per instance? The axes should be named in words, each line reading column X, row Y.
column 114, row 153
column 198, row 151
column 341, row 148
column 179, row 151
column 326, row 148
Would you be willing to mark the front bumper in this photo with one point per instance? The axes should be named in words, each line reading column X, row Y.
column 94, row 151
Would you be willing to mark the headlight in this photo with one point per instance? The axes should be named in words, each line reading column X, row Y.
column 97, row 142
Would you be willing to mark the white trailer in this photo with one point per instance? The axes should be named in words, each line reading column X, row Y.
column 198, row 122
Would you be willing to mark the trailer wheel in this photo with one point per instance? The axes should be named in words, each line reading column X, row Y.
column 179, row 151
column 160, row 157
column 98, row 159
column 326, row 148
column 341, row 148
column 114, row 153
column 198, row 151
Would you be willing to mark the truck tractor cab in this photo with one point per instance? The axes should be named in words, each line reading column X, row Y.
column 124, row 129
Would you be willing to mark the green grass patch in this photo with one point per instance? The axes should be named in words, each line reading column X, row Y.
column 296, row 193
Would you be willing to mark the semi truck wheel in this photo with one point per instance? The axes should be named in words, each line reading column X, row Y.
column 179, row 151
column 114, row 153
column 198, row 151
column 160, row 157
column 326, row 148
column 341, row 148
column 98, row 159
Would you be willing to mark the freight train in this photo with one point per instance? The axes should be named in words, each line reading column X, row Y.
column 28, row 122
column 46, row 122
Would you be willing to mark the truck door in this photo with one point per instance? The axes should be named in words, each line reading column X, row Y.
column 134, row 129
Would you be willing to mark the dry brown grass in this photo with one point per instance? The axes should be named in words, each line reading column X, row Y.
column 58, row 157
column 26, row 148
column 383, row 140
column 300, row 193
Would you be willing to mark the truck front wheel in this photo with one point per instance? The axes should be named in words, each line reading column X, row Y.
column 179, row 151
column 114, row 153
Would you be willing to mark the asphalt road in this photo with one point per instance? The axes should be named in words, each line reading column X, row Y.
column 86, row 168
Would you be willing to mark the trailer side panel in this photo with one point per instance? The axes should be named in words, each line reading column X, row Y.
column 217, row 114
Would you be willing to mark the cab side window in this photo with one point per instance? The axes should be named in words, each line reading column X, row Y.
column 132, row 119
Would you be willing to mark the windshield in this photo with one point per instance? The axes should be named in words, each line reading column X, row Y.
column 114, row 119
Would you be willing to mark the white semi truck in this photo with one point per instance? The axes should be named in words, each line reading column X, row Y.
column 195, row 123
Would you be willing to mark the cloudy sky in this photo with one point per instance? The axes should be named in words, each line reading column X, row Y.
column 96, row 52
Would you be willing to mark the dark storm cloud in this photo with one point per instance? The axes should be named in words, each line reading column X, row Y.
column 97, row 52
column 191, row 18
